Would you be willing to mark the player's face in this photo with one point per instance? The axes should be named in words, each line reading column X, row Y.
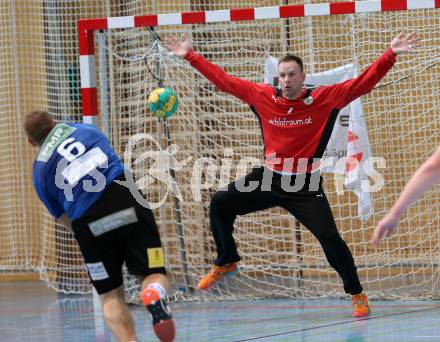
column 291, row 79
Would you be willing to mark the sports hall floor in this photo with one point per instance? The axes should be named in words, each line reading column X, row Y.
column 29, row 311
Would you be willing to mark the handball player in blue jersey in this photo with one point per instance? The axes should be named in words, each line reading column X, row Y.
column 74, row 175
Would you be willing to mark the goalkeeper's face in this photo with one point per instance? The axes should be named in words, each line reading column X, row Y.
column 291, row 79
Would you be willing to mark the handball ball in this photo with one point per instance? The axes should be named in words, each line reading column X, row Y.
column 163, row 102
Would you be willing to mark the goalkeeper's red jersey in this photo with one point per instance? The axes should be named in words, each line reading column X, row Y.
column 299, row 130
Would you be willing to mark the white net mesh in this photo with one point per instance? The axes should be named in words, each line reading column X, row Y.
column 279, row 257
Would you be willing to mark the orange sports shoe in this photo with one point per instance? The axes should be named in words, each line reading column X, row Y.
column 163, row 324
column 217, row 274
column 360, row 305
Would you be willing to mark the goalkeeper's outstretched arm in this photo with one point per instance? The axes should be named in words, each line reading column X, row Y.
column 420, row 182
column 367, row 80
column 244, row 90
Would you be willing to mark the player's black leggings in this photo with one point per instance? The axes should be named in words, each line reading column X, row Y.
column 309, row 205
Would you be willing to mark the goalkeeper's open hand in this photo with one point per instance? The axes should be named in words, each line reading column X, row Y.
column 405, row 44
column 178, row 47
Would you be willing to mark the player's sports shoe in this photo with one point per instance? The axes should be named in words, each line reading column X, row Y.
column 217, row 274
column 360, row 305
column 163, row 323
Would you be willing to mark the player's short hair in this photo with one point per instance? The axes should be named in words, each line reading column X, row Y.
column 292, row 58
column 37, row 125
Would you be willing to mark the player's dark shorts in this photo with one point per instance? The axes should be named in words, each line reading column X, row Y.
column 114, row 230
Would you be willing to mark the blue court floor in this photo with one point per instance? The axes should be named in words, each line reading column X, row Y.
column 31, row 312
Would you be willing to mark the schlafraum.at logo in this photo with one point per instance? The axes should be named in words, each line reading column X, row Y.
column 291, row 122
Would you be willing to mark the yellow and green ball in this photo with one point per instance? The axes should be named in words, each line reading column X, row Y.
column 163, row 102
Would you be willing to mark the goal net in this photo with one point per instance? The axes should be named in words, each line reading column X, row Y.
column 216, row 138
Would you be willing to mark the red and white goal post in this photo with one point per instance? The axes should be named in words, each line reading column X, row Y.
column 216, row 133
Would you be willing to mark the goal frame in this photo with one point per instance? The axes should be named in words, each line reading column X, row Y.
column 87, row 27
